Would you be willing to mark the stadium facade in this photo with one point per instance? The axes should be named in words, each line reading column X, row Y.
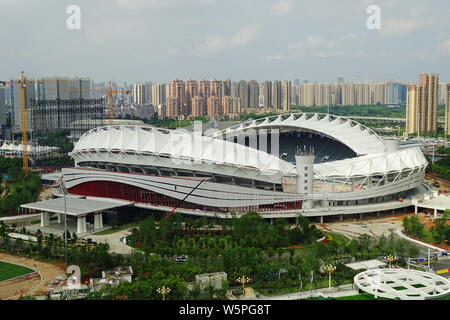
column 280, row 166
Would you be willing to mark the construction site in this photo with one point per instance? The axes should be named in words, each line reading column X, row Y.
column 49, row 114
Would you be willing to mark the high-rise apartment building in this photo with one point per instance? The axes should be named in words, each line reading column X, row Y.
column 236, row 105
column 198, row 106
column 307, row 94
column 442, row 93
column 226, row 88
column 139, row 94
column 2, row 108
column 213, row 106
column 287, row 95
column 447, row 109
column 412, row 109
column 191, row 92
column 234, row 92
column 148, row 92
column 276, row 94
column 267, row 94
column 216, row 88
column 158, row 94
column 253, row 99
column 162, row 111
column 379, row 94
column 172, row 107
column 177, row 90
column 227, row 105
column 421, row 105
column 243, row 93
column 322, row 94
column 204, row 89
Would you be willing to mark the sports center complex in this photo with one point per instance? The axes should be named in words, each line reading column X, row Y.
column 314, row 165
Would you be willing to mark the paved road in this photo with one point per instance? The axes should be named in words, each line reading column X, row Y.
column 114, row 240
column 343, row 291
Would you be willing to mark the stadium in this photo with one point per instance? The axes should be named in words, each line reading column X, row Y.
column 314, row 165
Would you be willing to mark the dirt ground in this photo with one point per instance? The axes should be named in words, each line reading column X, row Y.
column 35, row 284
column 45, row 193
column 13, row 289
column 444, row 185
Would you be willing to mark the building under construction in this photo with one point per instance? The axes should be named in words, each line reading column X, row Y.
column 60, row 115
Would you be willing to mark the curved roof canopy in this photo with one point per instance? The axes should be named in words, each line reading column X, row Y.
column 356, row 136
column 177, row 145
column 379, row 157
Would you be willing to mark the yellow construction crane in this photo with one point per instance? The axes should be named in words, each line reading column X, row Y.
column 22, row 82
column 110, row 101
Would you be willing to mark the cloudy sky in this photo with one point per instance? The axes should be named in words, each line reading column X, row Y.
column 158, row 40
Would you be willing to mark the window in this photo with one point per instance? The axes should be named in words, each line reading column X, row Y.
column 306, row 174
column 306, row 188
column 306, row 181
column 306, row 168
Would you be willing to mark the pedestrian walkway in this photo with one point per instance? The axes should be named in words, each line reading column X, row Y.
column 401, row 235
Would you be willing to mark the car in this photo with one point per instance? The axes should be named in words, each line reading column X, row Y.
column 183, row 258
column 364, row 225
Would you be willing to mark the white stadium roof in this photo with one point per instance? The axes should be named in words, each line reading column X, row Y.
column 178, row 145
column 377, row 157
column 356, row 136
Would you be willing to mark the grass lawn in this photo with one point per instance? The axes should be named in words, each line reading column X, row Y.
column 8, row 271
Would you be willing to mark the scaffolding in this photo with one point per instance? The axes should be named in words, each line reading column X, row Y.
column 59, row 115
column 63, row 116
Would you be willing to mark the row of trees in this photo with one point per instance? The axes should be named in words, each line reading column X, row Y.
column 440, row 231
column 18, row 188
column 250, row 230
column 270, row 270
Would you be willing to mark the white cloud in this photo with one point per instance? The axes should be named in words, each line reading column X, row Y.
column 244, row 36
column 282, row 7
column 314, row 46
column 215, row 44
column 416, row 18
column 211, row 46
column 274, row 57
column 326, row 55
column 400, row 27
column 312, row 41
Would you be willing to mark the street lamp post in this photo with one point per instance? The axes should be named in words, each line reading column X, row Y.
column 243, row 280
column 330, row 269
column 64, row 191
column 164, row 291
column 390, row 259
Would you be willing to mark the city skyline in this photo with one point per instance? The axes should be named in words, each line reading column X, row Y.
column 260, row 40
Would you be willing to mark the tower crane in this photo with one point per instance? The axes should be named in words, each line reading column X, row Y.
column 22, row 83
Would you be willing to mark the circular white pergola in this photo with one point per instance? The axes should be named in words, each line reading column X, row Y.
column 402, row 284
